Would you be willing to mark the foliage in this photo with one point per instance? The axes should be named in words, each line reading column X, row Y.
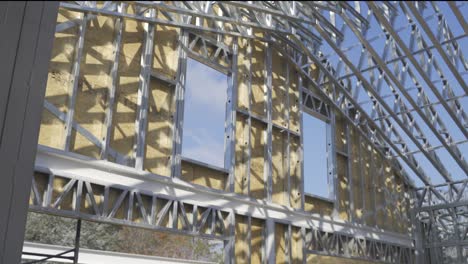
column 48, row 229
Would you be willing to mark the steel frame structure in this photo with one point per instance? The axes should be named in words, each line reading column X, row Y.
column 442, row 211
column 404, row 96
column 155, row 202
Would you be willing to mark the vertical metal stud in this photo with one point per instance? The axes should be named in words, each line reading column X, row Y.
column 229, row 244
column 79, row 193
column 270, row 241
column 287, row 149
column 119, row 28
column 249, row 118
column 141, row 122
column 332, row 173
column 76, row 81
column 230, row 129
column 301, row 141
column 179, row 102
column 268, row 98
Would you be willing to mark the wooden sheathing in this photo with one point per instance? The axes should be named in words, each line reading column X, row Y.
column 223, row 221
column 59, row 81
column 166, row 56
column 341, row 140
column 114, row 196
column 297, row 245
column 407, row 227
column 279, row 93
column 281, row 245
column 280, row 137
column 295, row 172
column 60, row 194
column 257, row 159
column 241, row 179
column 389, row 186
column 243, row 74
column 374, row 185
column 295, row 148
column 159, row 131
column 92, row 199
column 280, row 167
column 204, row 176
column 189, row 212
column 401, row 206
column 368, row 186
column 344, row 210
column 294, row 104
column 59, row 186
column 258, row 100
column 242, row 240
column 313, row 258
column 378, row 193
column 356, row 172
column 249, row 240
column 41, row 180
column 126, row 96
column 406, row 210
column 399, row 201
column 93, row 84
column 242, row 136
column 379, row 189
column 251, row 148
column 257, row 241
column 342, row 164
column 318, row 206
column 162, row 108
column 165, row 220
column 141, row 204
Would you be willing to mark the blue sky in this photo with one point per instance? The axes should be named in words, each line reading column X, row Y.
column 204, row 116
column 404, row 31
column 206, row 96
column 315, row 159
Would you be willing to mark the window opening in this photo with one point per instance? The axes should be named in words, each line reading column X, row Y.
column 204, row 114
column 315, row 157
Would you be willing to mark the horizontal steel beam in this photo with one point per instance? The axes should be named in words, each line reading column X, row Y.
column 104, row 173
column 154, row 20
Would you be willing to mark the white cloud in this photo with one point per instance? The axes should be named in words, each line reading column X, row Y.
column 204, row 114
column 203, row 147
column 206, row 85
column 205, row 154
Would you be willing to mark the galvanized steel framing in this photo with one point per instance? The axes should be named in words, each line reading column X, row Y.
column 408, row 125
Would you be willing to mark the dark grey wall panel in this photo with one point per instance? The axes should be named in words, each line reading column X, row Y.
column 11, row 18
column 27, row 31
